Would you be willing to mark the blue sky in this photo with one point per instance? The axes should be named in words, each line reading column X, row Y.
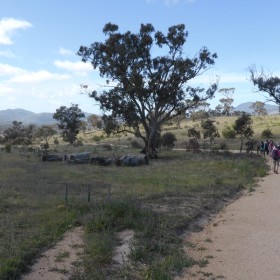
column 40, row 71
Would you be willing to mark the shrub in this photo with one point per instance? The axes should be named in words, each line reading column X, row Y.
column 267, row 133
column 8, row 148
column 168, row 139
column 192, row 145
column 229, row 133
column 223, row 146
column 192, row 132
column 96, row 138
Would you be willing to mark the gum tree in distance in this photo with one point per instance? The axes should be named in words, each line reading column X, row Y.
column 69, row 120
column 146, row 89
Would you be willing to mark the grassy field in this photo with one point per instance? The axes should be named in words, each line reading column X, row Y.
column 159, row 202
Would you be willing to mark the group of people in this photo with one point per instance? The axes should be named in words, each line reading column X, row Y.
column 271, row 149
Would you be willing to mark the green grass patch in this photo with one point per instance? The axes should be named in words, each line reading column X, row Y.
column 158, row 202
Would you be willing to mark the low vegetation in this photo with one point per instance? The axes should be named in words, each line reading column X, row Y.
column 159, row 202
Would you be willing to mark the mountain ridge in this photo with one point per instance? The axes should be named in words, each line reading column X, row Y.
column 28, row 117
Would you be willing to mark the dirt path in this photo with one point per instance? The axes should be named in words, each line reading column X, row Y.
column 58, row 262
column 243, row 241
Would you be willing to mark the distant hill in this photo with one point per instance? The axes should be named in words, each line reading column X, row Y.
column 27, row 117
column 245, row 107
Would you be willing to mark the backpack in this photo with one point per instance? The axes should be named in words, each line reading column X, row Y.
column 275, row 154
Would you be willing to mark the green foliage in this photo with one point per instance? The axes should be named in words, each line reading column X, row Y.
column 168, row 139
column 150, row 91
column 266, row 83
column 44, row 132
column 267, row 133
column 69, row 121
column 8, row 148
column 243, row 127
column 193, row 133
column 158, row 202
column 209, row 130
column 228, row 132
column 96, row 138
column 19, row 134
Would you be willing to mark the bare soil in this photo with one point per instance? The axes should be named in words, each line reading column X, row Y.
column 58, row 262
column 242, row 242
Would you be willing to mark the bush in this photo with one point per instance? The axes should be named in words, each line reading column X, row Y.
column 8, row 148
column 96, row 138
column 192, row 132
column 168, row 139
column 192, row 145
column 267, row 133
column 223, row 146
column 229, row 133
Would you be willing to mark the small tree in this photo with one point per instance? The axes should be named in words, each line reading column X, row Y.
column 229, row 132
column 266, row 133
column 19, row 134
column 209, row 130
column 258, row 108
column 168, row 139
column 94, row 121
column 243, row 127
column 193, row 133
column 227, row 100
column 44, row 132
column 69, row 122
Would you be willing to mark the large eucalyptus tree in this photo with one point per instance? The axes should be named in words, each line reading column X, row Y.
column 146, row 88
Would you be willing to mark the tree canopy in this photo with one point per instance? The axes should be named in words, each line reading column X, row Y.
column 243, row 127
column 69, row 122
column 19, row 134
column 266, row 83
column 144, row 91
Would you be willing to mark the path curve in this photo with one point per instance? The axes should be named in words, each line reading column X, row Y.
column 243, row 241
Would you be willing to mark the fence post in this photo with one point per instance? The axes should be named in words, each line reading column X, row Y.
column 88, row 197
column 66, row 193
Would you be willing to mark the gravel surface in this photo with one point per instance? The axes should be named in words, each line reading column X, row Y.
column 243, row 241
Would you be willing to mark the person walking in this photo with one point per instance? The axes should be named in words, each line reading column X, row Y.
column 275, row 157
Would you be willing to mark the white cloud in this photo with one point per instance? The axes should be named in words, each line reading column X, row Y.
column 5, row 89
column 7, row 54
column 64, row 51
column 79, row 67
column 8, row 70
column 37, row 77
column 7, row 28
